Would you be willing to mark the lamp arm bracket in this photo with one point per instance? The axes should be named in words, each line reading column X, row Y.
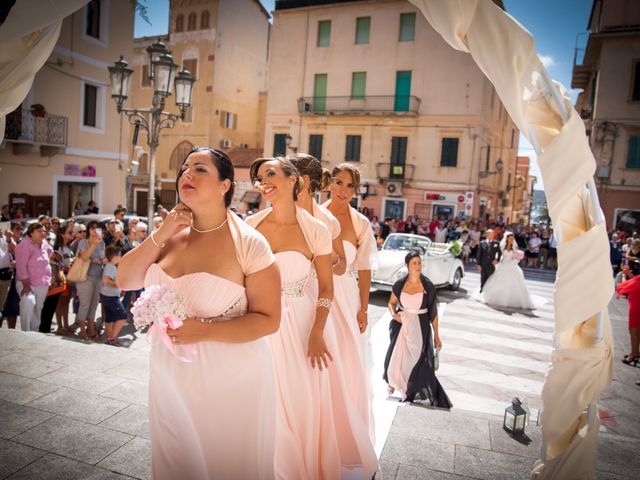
column 136, row 115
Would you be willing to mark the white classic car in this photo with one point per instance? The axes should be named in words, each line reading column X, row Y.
column 438, row 263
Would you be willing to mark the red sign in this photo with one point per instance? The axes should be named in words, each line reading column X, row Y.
column 432, row 196
column 460, row 198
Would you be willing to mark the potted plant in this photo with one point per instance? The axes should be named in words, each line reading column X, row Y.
column 38, row 110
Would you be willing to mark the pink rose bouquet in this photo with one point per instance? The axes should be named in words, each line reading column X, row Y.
column 519, row 255
column 161, row 308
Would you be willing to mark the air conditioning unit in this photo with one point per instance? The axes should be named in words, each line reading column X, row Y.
column 394, row 189
column 225, row 143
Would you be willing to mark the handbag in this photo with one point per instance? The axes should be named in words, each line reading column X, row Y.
column 78, row 271
column 6, row 273
column 436, row 358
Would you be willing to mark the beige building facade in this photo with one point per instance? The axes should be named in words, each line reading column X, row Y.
column 66, row 143
column 609, row 75
column 370, row 82
column 224, row 44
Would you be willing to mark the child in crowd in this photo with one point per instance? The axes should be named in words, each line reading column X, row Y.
column 115, row 314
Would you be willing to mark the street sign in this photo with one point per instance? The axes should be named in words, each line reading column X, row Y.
column 460, row 198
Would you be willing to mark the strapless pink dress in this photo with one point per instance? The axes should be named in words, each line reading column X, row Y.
column 306, row 444
column 408, row 345
column 211, row 418
column 356, row 449
column 351, row 342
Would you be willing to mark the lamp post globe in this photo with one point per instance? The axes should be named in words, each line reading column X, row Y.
column 164, row 70
column 120, row 75
column 184, row 89
column 499, row 165
column 154, row 51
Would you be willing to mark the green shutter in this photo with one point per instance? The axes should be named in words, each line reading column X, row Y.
column 358, row 84
column 353, row 148
column 403, row 91
column 320, row 92
column 633, row 153
column 363, row 26
column 407, row 27
column 324, row 33
column 449, row 155
column 315, row 146
column 279, row 144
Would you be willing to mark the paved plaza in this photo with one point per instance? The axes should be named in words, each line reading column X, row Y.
column 79, row 410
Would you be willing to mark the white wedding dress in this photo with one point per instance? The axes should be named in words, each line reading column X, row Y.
column 506, row 287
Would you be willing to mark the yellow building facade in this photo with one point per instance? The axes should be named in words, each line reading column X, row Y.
column 372, row 83
column 66, row 142
column 224, row 44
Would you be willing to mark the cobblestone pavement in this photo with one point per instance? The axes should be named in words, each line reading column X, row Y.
column 79, row 410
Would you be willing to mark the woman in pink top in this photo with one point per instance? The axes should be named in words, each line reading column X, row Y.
column 33, row 273
column 212, row 417
column 352, row 288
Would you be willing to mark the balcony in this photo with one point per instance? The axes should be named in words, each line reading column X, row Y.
column 388, row 171
column 47, row 131
column 369, row 105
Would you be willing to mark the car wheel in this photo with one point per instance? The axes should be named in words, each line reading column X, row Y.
column 457, row 278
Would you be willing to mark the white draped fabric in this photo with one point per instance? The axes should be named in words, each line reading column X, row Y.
column 581, row 366
column 27, row 38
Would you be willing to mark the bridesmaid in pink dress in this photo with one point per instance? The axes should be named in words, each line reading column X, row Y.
column 356, row 449
column 211, row 418
column 306, row 443
column 351, row 290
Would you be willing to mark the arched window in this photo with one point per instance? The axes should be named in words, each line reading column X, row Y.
column 180, row 23
column 179, row 154
column 191, row 24
column 204, row 20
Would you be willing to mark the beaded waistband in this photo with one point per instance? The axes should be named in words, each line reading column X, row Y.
column 294, row 289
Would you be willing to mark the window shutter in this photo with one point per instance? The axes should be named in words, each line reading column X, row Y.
column 279, row 144
column 398, row 157
column 449, row 155
column 315, row 146
column 633, row 153
column 363, row 26
column 90, row 105
column 358, row 85
column 407, row 27
column 324, row 33
column 353, row 148
column 234, row 121
column 223, row 116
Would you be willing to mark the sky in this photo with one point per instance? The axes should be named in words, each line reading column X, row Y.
column 556, row 25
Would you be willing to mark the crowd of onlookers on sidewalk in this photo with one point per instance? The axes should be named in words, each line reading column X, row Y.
column 624, row 248
column 38, row 260
column 538, row 242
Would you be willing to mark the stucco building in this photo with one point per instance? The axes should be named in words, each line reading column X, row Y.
column 372, row 83
column 66, row 142
column 609, row 74
column 224, row 44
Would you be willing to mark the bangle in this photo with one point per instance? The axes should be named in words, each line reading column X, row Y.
column 324, row 302
column 365, row 312
column 156, row 243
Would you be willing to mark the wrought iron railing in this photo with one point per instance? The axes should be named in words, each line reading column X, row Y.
column 396, row 104
column 389, row 171
column 50, row 130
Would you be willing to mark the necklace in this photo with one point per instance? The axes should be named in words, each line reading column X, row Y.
column 210, row 229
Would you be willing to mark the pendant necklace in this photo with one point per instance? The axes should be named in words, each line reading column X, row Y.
column 209, row 230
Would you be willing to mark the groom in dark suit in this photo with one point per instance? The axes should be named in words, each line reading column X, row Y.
column 489, row 254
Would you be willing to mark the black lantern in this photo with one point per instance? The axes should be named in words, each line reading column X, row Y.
column 154, row 52
column 184, row 87
column 515, row 417
column 164, row 72
column 120, row 76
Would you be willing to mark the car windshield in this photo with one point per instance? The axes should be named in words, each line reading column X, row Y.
column 405, row 242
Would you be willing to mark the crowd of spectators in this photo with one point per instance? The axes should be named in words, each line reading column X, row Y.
column 36, row 258
column 538, row 242
column 624, row 249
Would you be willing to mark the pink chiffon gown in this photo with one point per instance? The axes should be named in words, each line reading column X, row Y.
column 355, row 445
column 352, row 344
column 306, row 442
column 408, row 345
column 213, row 417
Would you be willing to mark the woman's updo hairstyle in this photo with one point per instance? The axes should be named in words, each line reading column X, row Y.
column 410, row 256
column 288, row 168
column 319, row 178
column 352, row 169
column 223, row 164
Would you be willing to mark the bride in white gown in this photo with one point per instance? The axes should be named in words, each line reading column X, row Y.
column 506, row 287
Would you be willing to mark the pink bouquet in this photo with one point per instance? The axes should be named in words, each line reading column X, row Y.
column 519, row 255
column 161, row 308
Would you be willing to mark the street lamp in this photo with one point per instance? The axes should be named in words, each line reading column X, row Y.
column 287, row 141
column 162, row 71
column 499, row 167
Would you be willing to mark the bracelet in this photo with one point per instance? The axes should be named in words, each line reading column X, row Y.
column 324, row 302
column 154, row 241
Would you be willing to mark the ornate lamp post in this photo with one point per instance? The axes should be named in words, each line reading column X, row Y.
column 162, row 71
